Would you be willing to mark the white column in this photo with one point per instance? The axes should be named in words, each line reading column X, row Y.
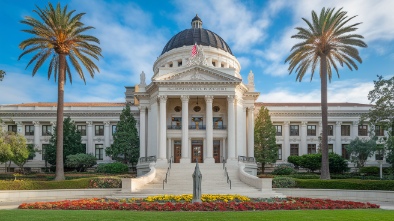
column 163, row 127
column 224, row 154
column 338, row 141
column 185, row 129
column 354, row 131
column 142, row 131
column 37, row 139
column 169, row 148
column 53, row 123
column 209, row 129
column 89, row 136
column 19, row 127
column 106, row 134
column 250, row 131
column 231, row 127
column 286, row 144
column 303, row 134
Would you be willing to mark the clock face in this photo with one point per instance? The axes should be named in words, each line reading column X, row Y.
column 197, row 109
column 216, row 109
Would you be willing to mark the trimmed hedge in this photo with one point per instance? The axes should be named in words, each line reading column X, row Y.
column 350, row 184
column 42, row 185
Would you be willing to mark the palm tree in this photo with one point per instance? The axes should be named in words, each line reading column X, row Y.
column 327, row 41
column 59, row 35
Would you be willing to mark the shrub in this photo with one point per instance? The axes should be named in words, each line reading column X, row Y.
column 370, row 170
column 105, row 182
column 283, row 170
column 296, row 160
column 346, row 184
column 283, row 182
column 43, row 185
column 112, row 168
column 311, row 162
column 81, row 161
column 337, row 163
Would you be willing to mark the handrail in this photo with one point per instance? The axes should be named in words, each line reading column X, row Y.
column 245, row 159
column 148, row 159
column 168, row 170
column 226, row 172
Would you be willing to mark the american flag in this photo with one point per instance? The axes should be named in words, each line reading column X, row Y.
column 194, row 50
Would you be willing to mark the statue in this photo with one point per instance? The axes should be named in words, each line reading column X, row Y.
column 142, row 79
column 197, row 177
column 251, row 81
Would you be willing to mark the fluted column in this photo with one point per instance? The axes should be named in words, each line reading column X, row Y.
column 37, row 139
column 286, row 141
column 303, row 134
column 231, row 127
column 250, row 131
column 163, row 128
column 209, row 129
column 354, row 131
column 89, row 136
column 142, row 131
column 185, row 129
column 338, row 142
column 107, row 141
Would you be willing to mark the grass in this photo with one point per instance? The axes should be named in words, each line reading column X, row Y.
column 304, row 215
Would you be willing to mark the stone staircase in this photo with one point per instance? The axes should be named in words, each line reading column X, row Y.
column 214, row 181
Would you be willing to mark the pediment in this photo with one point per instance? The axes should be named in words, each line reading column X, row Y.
column 200, row 74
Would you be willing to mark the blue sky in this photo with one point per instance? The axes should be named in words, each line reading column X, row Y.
column 133, row 34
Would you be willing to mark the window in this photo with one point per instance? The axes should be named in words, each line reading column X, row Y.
column 279, row 151
column 218, row 123
column 379, row 130
column 311, row 130
column 84, row 147
column 311, row 148
column 379, row 154
column 29, row 130
column 44, row 151
column 179, row 63
column 99, row 151
column 330, row 130
column 294, row 150
column 12, row 128
column 46, row 130
column 294, row 130
column 345, row 153
column 99, row 130
column 331, row 148
column 197, row 123
column 278, row 129
column 362, row 130
column 113, row 129
column 82, row 129
column 345, row 130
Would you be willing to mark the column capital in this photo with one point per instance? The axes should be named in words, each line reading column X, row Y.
column 208, row 98
column 338, row 123
column 251, row 109
column 19, row 123
column 53, row 123
column 355, row 123
column 304, row 123
column 142, row 108
column 89, row 123
column 162, row 98
column 320, row 124
column 185, row 98
column 107, row 123
column 230, row 98
column 286, row 123
column 36, row 123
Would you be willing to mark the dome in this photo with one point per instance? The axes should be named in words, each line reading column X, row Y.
column 198, row 35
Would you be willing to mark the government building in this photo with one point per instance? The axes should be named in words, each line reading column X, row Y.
column 196, row 107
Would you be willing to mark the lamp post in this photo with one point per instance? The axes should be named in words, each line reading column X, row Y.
column 2, row 74
column 381, row 168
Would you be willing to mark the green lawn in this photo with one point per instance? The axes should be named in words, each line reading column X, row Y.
column 304, row 215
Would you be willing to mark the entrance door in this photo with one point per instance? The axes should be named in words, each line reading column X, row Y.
column 177, row 151
column 216, row 151
column 197, row 151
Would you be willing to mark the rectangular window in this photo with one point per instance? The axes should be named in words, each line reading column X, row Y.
column 99, row 151
column 379, row 154
column 345, row 130
column 29, row 130
column 99, row 130
column 294, row 150
column 311, row 148
column 362, row 130
column 84, row 147
column 294, row 130
column 278, row 129
column 330, row 130
column 218, row 123
column 197, row 123
column 379, row 131
column 44, row 151
column 113, row 129
column 82, row 129
column 331, row 148
column 46, row 130
column 279, row 151
column 12, row 128
column 311, row 130
column 345, row 153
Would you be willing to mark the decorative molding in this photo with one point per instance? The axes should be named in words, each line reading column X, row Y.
column 208, row 98
column 304, row 123
column 162, row 98
column 36, row 123
column 89, row 123
column 286, row 123
column 53, row 114
column 312, row 114
column 338, row 123
column 230, row 98
column 185, row 98
column 107, row 123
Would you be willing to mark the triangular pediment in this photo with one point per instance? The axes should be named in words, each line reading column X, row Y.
column 197, row 73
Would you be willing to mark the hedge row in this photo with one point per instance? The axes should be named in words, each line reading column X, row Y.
column 42, row 185
column 351, row 184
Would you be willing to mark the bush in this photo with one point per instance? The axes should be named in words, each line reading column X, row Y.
column 283, row 170
column 43, row 185
column 370, row 170
column 81, row 161
column 112, row 168
column 311, row 162
column 283, row 182
column 105, row 182
column 346, row 184
column 337, row 163
column 296, row 160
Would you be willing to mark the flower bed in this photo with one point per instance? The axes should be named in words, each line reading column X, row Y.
column 165, row 204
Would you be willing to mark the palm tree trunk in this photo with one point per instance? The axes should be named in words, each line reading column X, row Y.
column 59, row 119
column 325, row 170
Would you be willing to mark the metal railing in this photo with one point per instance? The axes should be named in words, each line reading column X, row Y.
column 147, row 159
column 174, row 127
column 195, row 127
column 168, row 170
column 226, row 172
column 219, row 127
column 200, row 127
column 246, row 159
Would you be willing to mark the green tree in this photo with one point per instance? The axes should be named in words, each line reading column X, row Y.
column 60, row 35
column 126, row 146
column 20, row 152
column 5, row 150
column 72, row 143
column 360, row 150
column 265, row 148
column 81, row 161
column 327, row 41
